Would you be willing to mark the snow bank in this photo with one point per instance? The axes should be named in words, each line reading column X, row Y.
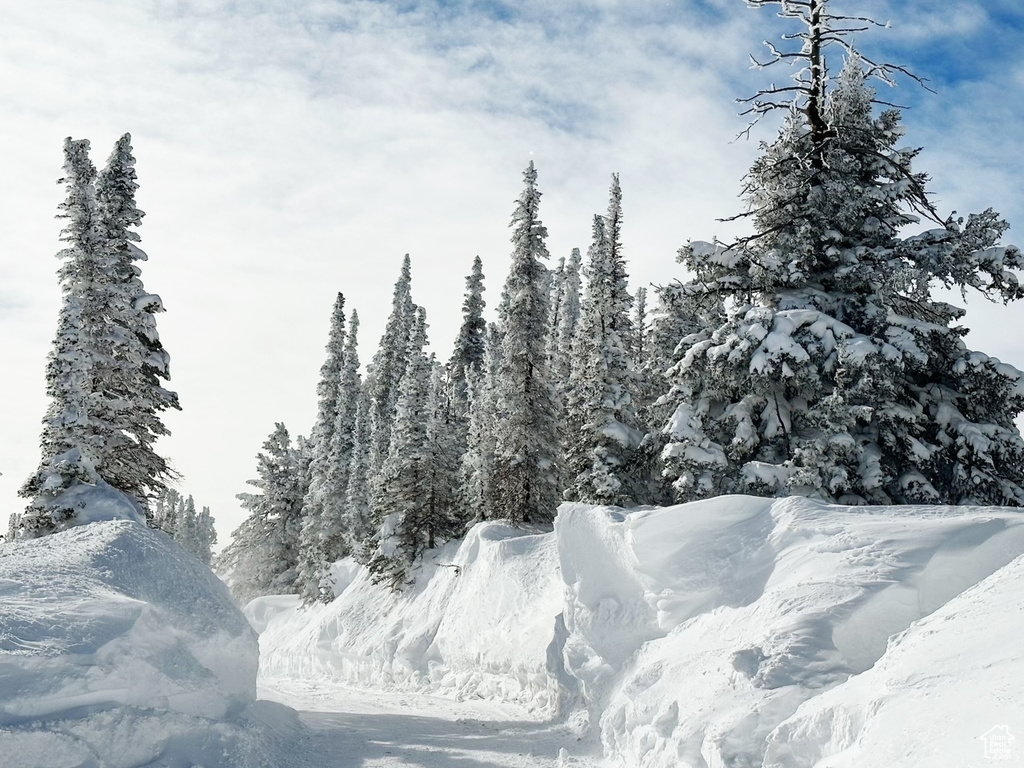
column 947, row 692
column 477, row 623
column 737, row 631
column 753, row 609
column 118, row 649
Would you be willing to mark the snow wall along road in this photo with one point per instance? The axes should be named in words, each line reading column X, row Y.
column 737, row 631
column 118, row 649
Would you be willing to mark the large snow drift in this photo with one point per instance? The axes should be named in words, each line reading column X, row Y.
column 733, row 632
column 119, row 649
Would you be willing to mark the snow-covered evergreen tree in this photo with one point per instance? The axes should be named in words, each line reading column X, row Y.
column 134, row 378
column 526, row 460
column 336, row 523
column 600, row 413
column 562, row 329
column 639, row 328
column 69, row 438
column 384, row 375
column 187, row 532
column 446, row 436
column 13, row 528
column 465, row 364
column 325, row 495
column 207, row 536
column 836, row 372
column 165, row 512
column 477, row 466
column 556, row 280
column 468, row 354
column 357, row 495
column 104, row 371
column 674, row 318
column 263, row 555
column 405, row 519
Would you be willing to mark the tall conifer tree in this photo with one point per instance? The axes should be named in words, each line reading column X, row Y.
column 336, row 521
column 386, row 370
column 263, row 556
column 324, row 492
column 468, row 354
column 104, row 371
column 836, row 373
column 402, row 507
column 357, row 495
column 138, row 365
column 526, row 460
column 477, row 466
column 600, row 413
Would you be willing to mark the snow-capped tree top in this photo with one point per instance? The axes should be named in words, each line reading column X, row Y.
column 115, row 191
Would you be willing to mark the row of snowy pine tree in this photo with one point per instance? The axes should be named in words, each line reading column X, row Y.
column 176, row 515
column 407, row 459
column 810, row 357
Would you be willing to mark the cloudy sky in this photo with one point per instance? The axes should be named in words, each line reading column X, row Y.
column 291, row 149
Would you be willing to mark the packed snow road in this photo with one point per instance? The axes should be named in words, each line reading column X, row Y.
column 351, row 728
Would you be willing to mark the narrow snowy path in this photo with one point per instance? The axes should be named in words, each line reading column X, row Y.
column 352, row 728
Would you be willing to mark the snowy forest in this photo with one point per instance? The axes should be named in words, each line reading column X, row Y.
column 809, row 357
column 762, row 511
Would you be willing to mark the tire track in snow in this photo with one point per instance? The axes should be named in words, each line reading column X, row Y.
column 351, row 728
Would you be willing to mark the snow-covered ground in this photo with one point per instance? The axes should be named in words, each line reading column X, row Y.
column 379, row 729
column 118, row 649
column 733, row 632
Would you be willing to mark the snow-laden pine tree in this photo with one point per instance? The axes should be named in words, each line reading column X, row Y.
column 468, row 354
column 639, row 328
column 13, row 528
column 134, row 380
column 165, row 512
column 384, row 375
column 446, row 437
column 357, row 496
column 465, row 364
column 68, row 455
column 556, row 280
column 336, row 524
column 187, row 532
column 562, row 324
column 207, row 536
column 403, row 513
column 601, row 425
column 263, row 555
column 526, row 459
column 836, row 372
column 104, row 370
column 326, row 492
column 673, row 318
column 477, row 466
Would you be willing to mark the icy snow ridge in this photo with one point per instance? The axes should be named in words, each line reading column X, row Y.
column 119, row 649
column 737, row 631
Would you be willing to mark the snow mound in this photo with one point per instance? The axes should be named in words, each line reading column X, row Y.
column 945, row 693
column 119, row 649
column 738, row 631
column 725, row 632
